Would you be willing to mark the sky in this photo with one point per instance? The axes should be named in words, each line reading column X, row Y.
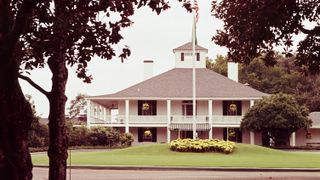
column 151, row 37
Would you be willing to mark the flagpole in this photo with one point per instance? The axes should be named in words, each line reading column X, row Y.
column 194, row 126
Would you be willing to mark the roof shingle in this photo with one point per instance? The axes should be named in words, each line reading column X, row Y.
column 177, row 83
column 188, row 46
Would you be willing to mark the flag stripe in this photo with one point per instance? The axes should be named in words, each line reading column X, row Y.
column 196, row 9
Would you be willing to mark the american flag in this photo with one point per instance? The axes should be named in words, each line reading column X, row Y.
column 196, row 9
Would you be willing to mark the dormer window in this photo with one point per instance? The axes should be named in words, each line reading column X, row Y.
column 182, row 56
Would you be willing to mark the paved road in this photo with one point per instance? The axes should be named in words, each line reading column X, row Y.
column 89, row 174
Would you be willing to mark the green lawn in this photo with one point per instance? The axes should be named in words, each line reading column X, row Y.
column 159, row 155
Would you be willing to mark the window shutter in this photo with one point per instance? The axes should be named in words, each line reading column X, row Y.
column 225, row 107
column 239, row 108
column 140, row 134
column 225, row 134
column 154, row 106
column 154, row 134
column 198, row 56
column 139, row 108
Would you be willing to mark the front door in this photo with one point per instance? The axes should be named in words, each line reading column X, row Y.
column 186, row 134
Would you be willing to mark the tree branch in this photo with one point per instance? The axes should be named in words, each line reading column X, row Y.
column 33, row 84
column 21, row 21
column 314, row 31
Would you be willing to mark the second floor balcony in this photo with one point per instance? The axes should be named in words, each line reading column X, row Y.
column 217, row 120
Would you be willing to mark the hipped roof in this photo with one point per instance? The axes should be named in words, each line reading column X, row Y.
column 177, row 83
column 188, row 46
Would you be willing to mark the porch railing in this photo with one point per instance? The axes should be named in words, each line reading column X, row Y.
column 189, row 119
column 162, row 119
column 219, row 119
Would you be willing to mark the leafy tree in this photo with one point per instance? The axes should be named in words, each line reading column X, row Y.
column 279, row 114
column 56, row 33
column 255, row 27
column 77, row 105
column 219, row 65
column 271, row 79
column 283, row 77
column 38, row 133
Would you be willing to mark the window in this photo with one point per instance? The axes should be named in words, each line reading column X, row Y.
column 187, row 108
column 182, row 56
column 198, row 56
column 232, row 108
column 232, row 134
column 147, row 134
column 147, row 108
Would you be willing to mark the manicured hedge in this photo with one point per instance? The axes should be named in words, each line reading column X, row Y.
column 202, row 145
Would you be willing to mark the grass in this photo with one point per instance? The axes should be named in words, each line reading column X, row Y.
column 159, row 155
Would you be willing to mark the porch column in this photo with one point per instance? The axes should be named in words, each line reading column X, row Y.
column 104, row 114
column 210, row 117
column 251, row 132
column 88, row 113
column 252, row 137
column 251, row 103
column 293, row 139
column 127, row 116
column 95, row 110
column 168, row 120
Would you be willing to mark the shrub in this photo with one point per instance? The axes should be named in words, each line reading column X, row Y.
column 38, row 135
column 79, row 136
column 126, row 139
column 104, row 136
column 202, row 145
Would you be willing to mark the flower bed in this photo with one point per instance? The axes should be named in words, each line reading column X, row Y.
column 202, row 145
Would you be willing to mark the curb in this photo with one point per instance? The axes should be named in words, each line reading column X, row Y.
column 183, row 168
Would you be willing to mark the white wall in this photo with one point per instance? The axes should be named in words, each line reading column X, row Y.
column 161, row 108
column 245, row 107
column 175, row 110
column 187, row 63
column 301, row 139
column 161, row 135
column 217, row 107
column 202, row 108
column 121, row 107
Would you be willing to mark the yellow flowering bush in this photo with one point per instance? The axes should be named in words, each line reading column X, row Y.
column 202, row 145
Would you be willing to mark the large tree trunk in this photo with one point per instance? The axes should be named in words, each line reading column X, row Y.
column 58, row 139
column 15, row 120
column 15, row 112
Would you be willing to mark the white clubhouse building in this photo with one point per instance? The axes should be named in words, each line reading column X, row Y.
column 159, row 109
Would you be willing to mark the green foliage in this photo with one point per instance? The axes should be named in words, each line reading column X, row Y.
column 246, row 155
column 202, row 145
column 219, row 65
column 98, row 136
column 77, row 105
column 279, row 114
column 79, row 136
column 252, row 28
column 38, row 134
column 283, row 77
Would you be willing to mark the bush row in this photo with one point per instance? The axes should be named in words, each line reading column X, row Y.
column 202, row 145
column 99, row 136
column 82, row 136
